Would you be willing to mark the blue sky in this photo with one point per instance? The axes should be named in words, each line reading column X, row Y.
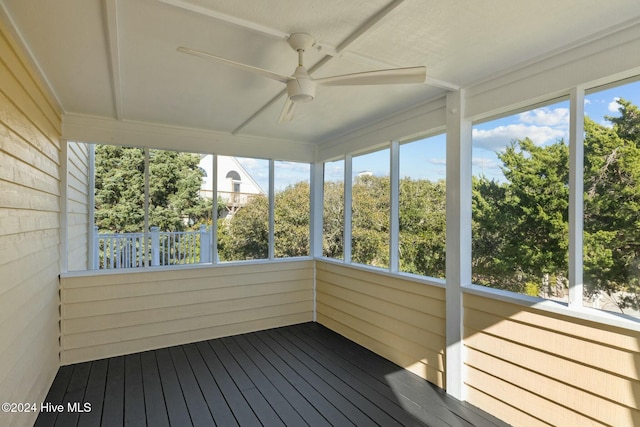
column 425, row 159
column 544, row 126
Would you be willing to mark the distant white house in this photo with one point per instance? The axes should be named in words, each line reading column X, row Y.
column 235, row 185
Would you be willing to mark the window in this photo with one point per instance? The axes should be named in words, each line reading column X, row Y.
column 291, row 209
column 131, row 207
column 371, row 209
column 179, row 217
column 611, row 235
column 520, row 202
column 178, row 212
column 333, row 210
column 233, row 176
column 119, row 240
column 422, row 212
column 243, row 217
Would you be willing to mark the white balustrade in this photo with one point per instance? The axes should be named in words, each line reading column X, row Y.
column 128, row 250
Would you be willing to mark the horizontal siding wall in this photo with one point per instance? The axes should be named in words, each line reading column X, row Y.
column 30, row 128
column 78, row 206
column 113, row 314
column 530, row 367
column 400, row 319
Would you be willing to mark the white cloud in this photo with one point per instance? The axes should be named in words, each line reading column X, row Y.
column 484, row 162
column 488, row 167
column 546, row 117
column 587, row 101
column 499, row 137
column 613, row 105
column 436, row 161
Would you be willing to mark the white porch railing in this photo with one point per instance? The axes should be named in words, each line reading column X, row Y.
column 128, row 250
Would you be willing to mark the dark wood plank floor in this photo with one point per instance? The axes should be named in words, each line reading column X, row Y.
column 292, row 376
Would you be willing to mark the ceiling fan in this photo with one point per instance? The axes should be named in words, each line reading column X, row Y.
column 301, row 87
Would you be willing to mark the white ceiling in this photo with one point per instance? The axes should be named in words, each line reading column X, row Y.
column 118, row 58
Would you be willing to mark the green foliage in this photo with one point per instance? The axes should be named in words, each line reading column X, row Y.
column 520, row 226
column 532, row 289
column 174, row 191
column 612, row 206
column 119, row 189
column 422, row 227
column 174, row 185
column 333, row 220
column 246, row 234
column 291, row 217
column 370, row 221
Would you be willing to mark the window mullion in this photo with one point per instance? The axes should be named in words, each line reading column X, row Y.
column 272, row 223
column 576, row 189
column 348, row 185
column 317, row 208
column 147, row 243
column 214, row 208
column 394, row 226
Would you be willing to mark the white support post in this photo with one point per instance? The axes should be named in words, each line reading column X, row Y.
column 92, row 229
column 95, row 250
column 316, row 204
column 394, row 227
column 576, row 191
column 348, row 185
column 205, row 244
column 155, row 246
column 458, row 240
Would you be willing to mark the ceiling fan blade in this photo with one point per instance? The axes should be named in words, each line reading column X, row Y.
column 255, row 70
column 287, row 111
column 378, row 77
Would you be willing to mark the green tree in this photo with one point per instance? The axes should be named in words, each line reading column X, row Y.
column 245, row 235
column 333, row 220
column 119, row 188
column 174, row 185
column 174, row 191
column 422, row 227
column 291, row 217
column 370, row 221
column 612, row 207
column 522, row 225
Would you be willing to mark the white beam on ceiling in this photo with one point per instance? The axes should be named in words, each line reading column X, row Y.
column 263, row 29
column 370, row 24
column 111, row 28
column 244, row 23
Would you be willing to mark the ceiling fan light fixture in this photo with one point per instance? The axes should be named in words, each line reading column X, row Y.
column 301, row 90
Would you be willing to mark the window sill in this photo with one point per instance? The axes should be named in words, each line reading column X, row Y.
column 608, row 318
column 90, row 273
